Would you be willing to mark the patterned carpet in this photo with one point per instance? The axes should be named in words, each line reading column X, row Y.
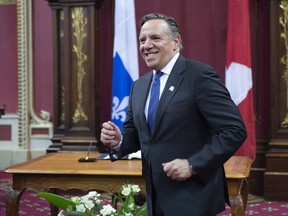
column 31, row 205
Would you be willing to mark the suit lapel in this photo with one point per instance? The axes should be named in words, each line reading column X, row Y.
column 142, row 100
column 171, row 87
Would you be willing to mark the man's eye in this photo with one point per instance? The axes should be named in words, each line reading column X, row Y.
column 156, row 38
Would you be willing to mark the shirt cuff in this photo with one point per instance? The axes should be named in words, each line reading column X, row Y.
column 116, row 148
column 191, row 169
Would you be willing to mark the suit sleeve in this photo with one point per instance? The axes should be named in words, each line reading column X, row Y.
column 214, row 102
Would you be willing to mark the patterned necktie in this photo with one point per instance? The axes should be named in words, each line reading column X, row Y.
column 154, row 99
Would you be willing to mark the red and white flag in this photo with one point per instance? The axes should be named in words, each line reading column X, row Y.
column 238, row 78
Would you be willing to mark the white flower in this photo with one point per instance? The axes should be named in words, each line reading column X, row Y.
column 84, row 199
column 126, row 190
column 89, row 204
column 131, row 206
column 74, row 199
column 80, row 208
column 135, row 188
column 61, row 213
column 107, row 210
column 93, row 194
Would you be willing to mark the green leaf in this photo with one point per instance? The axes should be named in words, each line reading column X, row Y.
column 57, row 201
column 142, row 211
column 75, row 213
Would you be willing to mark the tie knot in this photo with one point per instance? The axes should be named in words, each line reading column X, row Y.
column 158, row 74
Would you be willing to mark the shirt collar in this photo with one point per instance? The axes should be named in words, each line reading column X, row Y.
column 168, row 68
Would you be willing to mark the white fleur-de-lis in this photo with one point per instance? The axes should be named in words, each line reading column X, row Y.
column 118, row 108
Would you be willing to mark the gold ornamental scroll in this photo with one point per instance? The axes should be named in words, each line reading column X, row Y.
column 61, row 36
column 79, row 23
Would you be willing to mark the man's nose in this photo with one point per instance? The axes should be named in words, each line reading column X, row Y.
column 148, row 44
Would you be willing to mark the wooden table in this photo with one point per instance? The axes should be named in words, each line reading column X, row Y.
column 237, row 171
column 63, row 171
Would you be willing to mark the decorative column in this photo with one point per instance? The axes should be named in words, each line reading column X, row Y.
column 276, row 175
column 76, row 73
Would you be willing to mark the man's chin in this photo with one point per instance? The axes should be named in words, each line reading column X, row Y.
column 150, row 65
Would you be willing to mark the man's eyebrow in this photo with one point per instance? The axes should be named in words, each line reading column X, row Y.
column 151, row 36
column 155, row 35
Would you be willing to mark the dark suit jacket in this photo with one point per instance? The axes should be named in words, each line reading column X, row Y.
column 196, row 121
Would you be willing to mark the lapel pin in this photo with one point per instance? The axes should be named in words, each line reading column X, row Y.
column 171, row 88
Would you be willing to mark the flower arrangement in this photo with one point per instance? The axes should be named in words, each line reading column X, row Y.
column 92, row 205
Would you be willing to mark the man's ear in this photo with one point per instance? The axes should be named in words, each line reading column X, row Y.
column 176, row 42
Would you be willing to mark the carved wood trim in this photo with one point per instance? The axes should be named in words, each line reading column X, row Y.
column 76, row 72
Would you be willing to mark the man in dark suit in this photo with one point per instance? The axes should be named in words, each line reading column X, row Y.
column 197, row 127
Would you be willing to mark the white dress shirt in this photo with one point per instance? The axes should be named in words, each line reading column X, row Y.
column 163, row 80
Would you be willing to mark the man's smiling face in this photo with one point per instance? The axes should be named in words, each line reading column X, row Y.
column 157, row 46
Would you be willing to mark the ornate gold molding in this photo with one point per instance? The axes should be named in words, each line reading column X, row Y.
column 283, row 20
column 23, row 124
column 79, row 22
column 62, row 112
column 28, row 120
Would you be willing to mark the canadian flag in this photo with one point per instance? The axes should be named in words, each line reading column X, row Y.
column 238, row 77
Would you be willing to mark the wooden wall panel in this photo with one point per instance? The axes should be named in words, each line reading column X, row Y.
column 277, row 153
column 76, row 73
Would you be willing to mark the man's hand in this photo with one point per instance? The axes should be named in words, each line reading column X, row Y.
column 110, row 134
column 178, row 169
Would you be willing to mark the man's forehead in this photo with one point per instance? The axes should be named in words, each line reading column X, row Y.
column 154, row 22
column 154, row 27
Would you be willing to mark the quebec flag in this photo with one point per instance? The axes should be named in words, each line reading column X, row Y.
column 125, row 59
